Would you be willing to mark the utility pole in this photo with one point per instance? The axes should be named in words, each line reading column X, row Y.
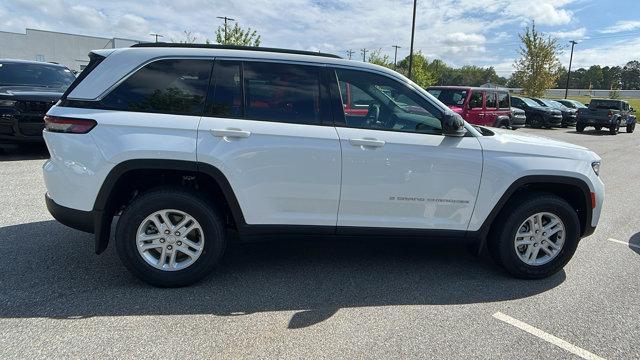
column 395, row 56
column 364, row 54
column 156, row 35
column 413, row 30
column 350, row 52
column 566, row 91
column 225, row 25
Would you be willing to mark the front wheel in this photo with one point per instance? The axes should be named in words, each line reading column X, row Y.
column 170, row 237
column 598, row 128
column 537, row 238
column 631, row 127
column 579, row 128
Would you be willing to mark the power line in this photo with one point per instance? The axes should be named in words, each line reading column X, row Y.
column 364, row 54
column 350, row 52
column 225, row 25
column 395, row 56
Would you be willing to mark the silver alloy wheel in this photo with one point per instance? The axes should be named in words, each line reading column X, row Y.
column 540, row 238
column 170, row 240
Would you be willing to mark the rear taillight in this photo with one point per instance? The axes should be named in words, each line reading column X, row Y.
column 68, row 125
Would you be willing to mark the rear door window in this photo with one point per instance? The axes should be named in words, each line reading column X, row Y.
column 282, row 93
column 227, row 90
column 172, row 86
column 503, row 101
column 492, row 102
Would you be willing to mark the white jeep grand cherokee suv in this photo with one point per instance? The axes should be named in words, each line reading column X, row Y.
column 185, row 143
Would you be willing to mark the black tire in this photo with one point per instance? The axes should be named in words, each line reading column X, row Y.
column 614, row 129
column 579, row 128
column 598, row 128
column 631, row 127
column 501, row 242
column 146, row 204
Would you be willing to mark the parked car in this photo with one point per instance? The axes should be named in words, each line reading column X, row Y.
column 568, row 115
column 572, row 104
column 27, row 90
column 267, row 150
column 518, row 118
column 607, row 113
column 538, row 116
column 479, row 106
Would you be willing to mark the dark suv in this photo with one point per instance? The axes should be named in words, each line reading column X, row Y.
column 537, row 115
column 27, row 90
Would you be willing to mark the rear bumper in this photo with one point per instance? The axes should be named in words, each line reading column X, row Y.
column 77, row 219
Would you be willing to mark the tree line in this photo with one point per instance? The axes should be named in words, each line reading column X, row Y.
column 536, row 70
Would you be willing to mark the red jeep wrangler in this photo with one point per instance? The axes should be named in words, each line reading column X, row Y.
column 477, row 105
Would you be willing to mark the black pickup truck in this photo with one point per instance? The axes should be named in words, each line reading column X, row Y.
column 27, row 90
column 608, row 114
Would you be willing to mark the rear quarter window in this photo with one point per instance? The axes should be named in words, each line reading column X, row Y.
column 172, row 86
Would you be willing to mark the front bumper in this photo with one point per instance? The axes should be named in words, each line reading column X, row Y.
column 553, row 120
column 569, row 120
column 73, row 218
column 18, row 128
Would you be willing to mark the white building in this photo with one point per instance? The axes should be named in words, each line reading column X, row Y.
column 67, row 49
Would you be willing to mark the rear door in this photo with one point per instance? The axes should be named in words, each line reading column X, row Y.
column 399, row 171
column 266, row 127
column 475, row 108
column 491, row 108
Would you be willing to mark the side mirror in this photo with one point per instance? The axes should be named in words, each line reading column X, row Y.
column 632, row 110
column 453, row 125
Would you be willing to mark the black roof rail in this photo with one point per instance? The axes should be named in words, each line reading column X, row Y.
column 233, row 47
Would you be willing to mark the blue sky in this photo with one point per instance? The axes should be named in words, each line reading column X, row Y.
column 478, row 32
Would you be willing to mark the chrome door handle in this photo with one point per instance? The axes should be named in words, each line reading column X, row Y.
column 367, row 142
column 234, row 133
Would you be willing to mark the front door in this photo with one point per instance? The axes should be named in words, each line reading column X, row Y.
column 398, row 170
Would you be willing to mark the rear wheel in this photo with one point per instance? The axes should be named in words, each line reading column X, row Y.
column 614, row 129
column 170, row 237
column 538, row 236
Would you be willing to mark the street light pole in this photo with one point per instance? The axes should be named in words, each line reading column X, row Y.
column 566, row 91
column 413, row 30
column 225, row 26
column 395, row 56
column 364, row 54
column 156, row 35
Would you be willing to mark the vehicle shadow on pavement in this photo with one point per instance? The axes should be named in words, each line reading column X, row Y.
column 592, row 132
column 50, row 270
column 23, row 152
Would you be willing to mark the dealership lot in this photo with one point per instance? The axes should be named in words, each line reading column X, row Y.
column 321, row 300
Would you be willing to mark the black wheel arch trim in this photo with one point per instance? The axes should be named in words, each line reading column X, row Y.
column 586, row 228
column 102, row 213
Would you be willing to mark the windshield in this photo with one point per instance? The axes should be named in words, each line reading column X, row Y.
column 530, row 102
column 449, row 97
column 578, row 104
column 555, row 104
column 20, row 74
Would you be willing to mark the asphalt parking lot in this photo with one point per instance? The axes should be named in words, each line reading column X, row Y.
column 321, row 300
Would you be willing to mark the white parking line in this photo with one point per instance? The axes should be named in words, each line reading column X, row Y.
column 625, row 243
column 546, row 337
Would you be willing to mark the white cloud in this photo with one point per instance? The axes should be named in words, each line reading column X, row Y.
column 620, row 26
column 458, row 31
column 571, row 34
